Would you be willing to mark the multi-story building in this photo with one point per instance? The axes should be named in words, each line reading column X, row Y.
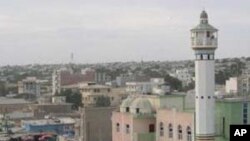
column 185, row 75
column 66, row 79
column 91, row 92
column 154, row 86
column 30, row 85
column 232, row 85
column 238, row 85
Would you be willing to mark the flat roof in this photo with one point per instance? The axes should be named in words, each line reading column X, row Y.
column 234, row 99
column 56, row 121
column 4, row 100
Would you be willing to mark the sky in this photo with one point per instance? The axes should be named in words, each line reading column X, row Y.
column 99, row 31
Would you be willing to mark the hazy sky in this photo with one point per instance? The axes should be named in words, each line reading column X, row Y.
column 47, row 31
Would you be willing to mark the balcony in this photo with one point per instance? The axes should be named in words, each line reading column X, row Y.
column 204, row 43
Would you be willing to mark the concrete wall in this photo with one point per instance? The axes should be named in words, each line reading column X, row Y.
column 97, row 124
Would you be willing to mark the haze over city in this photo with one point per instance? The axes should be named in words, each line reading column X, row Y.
column 48, row 31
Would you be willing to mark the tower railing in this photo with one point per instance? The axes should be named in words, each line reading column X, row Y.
column 206, row 42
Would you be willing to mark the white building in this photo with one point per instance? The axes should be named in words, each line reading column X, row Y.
column 232, row 85
column 204, row 43
column 238, row 85
column 30, row 85
column 154, row 86
column 185, row 75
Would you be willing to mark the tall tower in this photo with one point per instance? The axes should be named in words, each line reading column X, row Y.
column 204, row 43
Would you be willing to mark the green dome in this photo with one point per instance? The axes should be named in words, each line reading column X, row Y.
column 126, row 104
column 143, row 105
column 204, row 15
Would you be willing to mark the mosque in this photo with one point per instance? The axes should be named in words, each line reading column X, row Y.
column 180, row 116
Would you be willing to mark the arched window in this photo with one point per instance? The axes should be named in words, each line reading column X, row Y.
column 189, row 134
column 127, row 129
column 161, row 126
column 179, row 132
column 117, row 127
column 170, row 130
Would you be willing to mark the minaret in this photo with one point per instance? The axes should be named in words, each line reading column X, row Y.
column 204, row 43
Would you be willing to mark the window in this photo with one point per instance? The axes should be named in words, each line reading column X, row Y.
column 245, row 113
column 127, row 109
column 127, row 129
column 205, row 56
column 117, row 127
column 161, row 126
column 179, row 132
column 137, row 110
column 198, row 56
column 151, row 128
column 170, row 131
column 208, row 34
column 189, row 134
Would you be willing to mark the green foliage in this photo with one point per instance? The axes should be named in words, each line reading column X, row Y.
column 189, row 87
column 26, row 96
column 103, row 101
column 72, row 97
column 3, row 90
column 233, row 70
column 175, row 83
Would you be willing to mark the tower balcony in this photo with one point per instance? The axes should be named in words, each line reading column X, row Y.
column 204, row 43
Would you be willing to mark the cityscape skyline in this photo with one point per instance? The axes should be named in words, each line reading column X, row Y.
column 96, row 31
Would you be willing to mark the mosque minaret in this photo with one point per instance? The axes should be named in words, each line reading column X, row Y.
column 204, row 43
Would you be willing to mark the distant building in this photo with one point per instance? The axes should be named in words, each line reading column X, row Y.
column 61, row 126
column 232, row 85
column 91, row 92
column 61, row 78
column 30, row 85
column 185, row 75
column 154, row 86
column 8, row 105
column 65, row 79
column 238, row 85
column 58, row 99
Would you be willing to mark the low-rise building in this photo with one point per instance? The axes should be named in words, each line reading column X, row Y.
column 61, row 126
column 30, row 85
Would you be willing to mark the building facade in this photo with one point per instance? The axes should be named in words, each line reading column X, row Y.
column 30, row 85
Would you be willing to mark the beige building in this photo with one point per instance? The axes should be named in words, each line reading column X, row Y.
column 30, row 85
column 91, row 92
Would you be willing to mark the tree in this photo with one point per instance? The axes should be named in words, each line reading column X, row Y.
column 72, row 97
column 175, row 83
column 3, row 90
column 103, row 101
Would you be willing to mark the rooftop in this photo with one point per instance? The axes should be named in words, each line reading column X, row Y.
column 55, row 121
column 4, row 100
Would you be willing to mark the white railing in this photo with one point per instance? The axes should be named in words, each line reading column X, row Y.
column 204, row 42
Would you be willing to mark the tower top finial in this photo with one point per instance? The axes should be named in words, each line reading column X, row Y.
column 204, row 17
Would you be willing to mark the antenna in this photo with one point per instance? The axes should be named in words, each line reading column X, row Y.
column 71, row 58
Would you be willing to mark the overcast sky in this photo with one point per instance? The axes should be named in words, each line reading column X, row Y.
column 48, row 31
